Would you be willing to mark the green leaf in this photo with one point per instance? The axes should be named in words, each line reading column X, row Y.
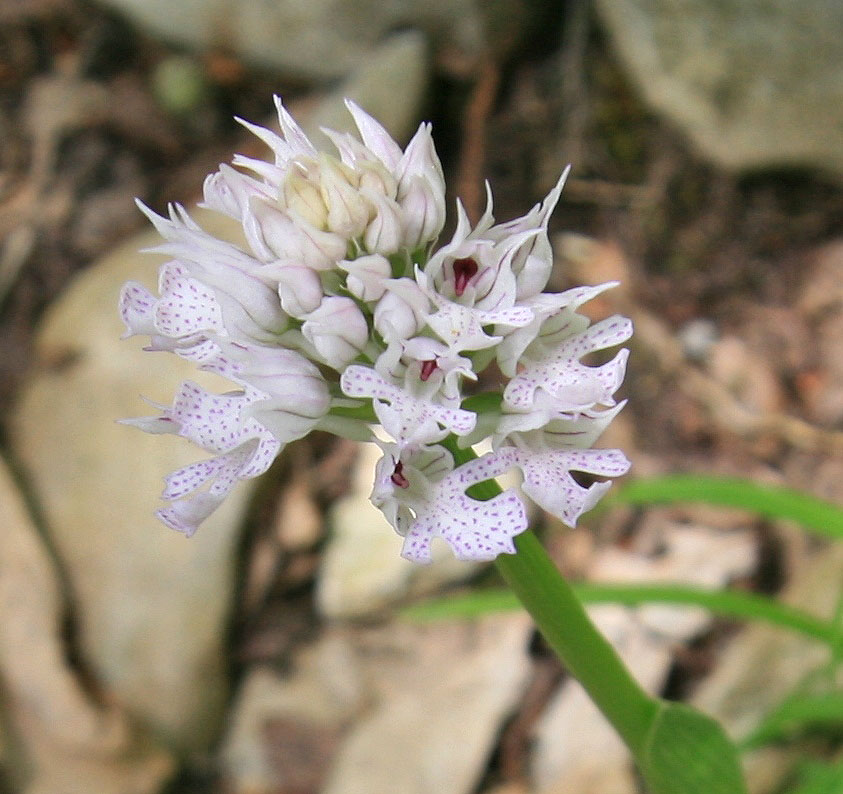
column 728, row 603
column 797, row 714
column 770, row 501
column 819, row 778
column 464, row 606
column 689, row 753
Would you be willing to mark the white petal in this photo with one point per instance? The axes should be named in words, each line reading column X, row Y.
column 406, row 413
column 293, row 133
column 574, row 385
column 188, row 307
column 548, row 481
column 338, row 330
column 186, row 515
column 367, row 276
column 376, row 138
column 137, row 305
column 475, row 530
column 213, row 421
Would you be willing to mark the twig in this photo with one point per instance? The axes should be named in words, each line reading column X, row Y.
column 473, row 153
column 573, row 108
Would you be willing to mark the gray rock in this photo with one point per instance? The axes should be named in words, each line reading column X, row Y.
column 440, row 695
column 390, row 84
column 281, row 724
column 149, row 604
column 58, row 738
column 576, row 750
column 753, row 83
column 399, row 707
column 313, row 40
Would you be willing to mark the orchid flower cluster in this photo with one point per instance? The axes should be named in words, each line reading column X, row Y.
column 339, row 313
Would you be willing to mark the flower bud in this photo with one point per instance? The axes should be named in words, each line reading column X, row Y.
column 367, row 276
column 424, row 212
column 420, row 159
column 304, row 199
column 274, row 234
column 299, row 287
column 373, row 176
column 385, row 232
column 244, row 299
column 228, row 191
column 401, row 312
column 376, row 139
column 348, row 212
column 296, row 392
column 338, row 330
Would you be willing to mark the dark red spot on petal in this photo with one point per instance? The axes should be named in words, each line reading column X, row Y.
column 428, row 368
column 464, row 270
column 398, row 477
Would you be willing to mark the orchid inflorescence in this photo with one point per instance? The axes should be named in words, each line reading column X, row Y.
column 339, row 313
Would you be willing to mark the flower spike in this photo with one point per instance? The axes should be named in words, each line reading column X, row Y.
column 337, row 311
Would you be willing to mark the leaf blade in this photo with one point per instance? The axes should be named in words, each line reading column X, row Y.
column 770, row 501
column 687, row 752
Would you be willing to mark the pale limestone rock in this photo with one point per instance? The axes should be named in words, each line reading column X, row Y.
column 298, row 522
column 753, row 83
column 514, row 787
column 577, row 751
column 311, row 40
column 313, row 704
column 746, row 374
column 822, row 302
column 63, row 741
column 668, row 551
column 442, row 692
column 823, row 288
column 150, row 604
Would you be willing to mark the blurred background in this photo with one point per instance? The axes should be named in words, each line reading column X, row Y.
column 266, row 655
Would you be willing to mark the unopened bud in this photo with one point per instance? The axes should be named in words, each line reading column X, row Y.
column 373, row 176
column 296, row 391
column 299, row 288
column 228, row 191
column 400, row 313
column 367, row 276
column 348, row 212
column 420, row 159
column 304, row 198
column 274, row 234
column 424, row 212
column 338, row 330
column 384, row 234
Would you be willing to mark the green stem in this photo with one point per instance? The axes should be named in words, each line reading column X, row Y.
column 586, row 653
column 678, row 749
column 566, row 626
